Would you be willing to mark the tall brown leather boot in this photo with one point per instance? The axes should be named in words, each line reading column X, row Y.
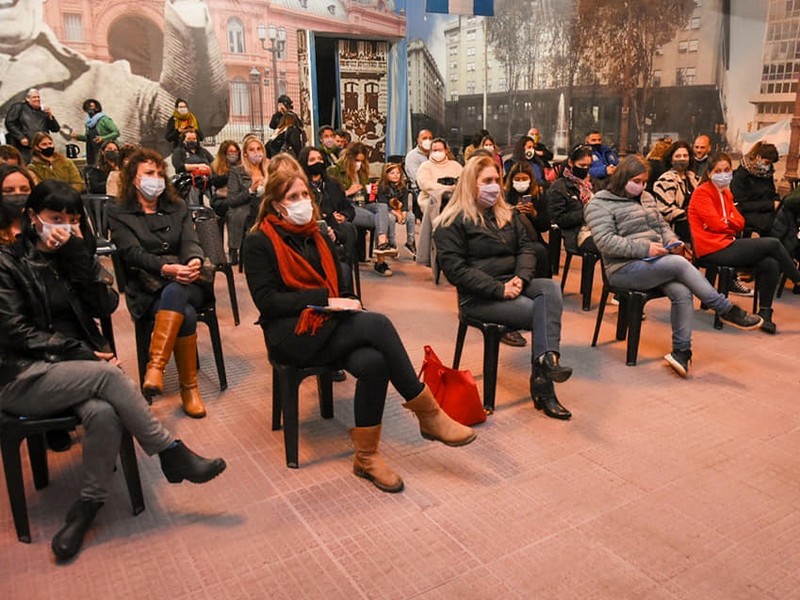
column 435, row 424
column 165, row 331
column 368, row 463
column 186, row 359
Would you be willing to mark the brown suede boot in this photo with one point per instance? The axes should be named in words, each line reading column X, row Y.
column 186, row 359
column 165, row 331
column 368, row 463
column 435, row 424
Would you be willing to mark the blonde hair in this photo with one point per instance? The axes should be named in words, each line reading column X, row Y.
column 246, row 164
column 284, row 162
column 463, row 201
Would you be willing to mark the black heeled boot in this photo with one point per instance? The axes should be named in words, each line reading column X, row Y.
column 551, row 369
column 768, row 326
column 544, row 397
column 68, row 541
column 179, row 463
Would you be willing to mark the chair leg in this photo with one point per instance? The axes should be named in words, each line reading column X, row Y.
column 622, row 316
column 12, row 467
column 232, row 292
column 567, row 261
column 130, row 467
column 142, row 334
column 634, row 318
column 460, row 337
column 219, row 358
column 588, row 263
column 276, row 399
column 601, row 309
column 37, row 450
column 491, row 355
column 325, row 393
column 289, row 400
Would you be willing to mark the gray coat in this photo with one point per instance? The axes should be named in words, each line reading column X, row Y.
column 624, row 228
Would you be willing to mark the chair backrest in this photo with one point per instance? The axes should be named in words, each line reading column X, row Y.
column 606, row 283
column 96, row 206
column 208, row 234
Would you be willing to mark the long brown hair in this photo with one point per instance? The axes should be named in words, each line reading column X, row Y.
column 128, row 195
column 279, row 184
column 715, row 158
column 220, row 166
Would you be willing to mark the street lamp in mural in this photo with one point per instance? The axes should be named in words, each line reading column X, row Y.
column 277, row 40
column 257, row 101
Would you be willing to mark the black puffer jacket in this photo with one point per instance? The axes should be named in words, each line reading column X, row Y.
column 479, row 259
column 786, row 223
column 27, row 332
column 755, row 198
column 566, row 210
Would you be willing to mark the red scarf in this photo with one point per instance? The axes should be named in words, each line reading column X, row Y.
column 297, row 273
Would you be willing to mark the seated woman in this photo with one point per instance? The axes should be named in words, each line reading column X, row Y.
column 10, row 155
column 246, row 183
column 107, row 161
column 528, row 198
column 525, row 151
column 393, row 193
column 489, row 145
column 484, row 251
column 228, row 157
column 716, row 222
column 113, row 182
column 567, row 197
column 287, row 136
column 55, row 360
column 786, row 227
column 182, row 119
column 290, row 265
column 16, row 184
column 158, row 245
column 641, row 252
column 190, row 155
column 674, row 187
column 46, row 163
column 753, row 187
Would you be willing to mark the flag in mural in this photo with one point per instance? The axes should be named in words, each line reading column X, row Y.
column 484, row 8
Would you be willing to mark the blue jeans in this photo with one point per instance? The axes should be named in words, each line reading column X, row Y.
column 678, row 279
column 374, row 214
column 538, row 309
column 184, row 299
column 409, row 228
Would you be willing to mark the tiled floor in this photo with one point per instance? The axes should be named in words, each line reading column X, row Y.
column 659, row 488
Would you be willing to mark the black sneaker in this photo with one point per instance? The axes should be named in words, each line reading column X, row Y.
column 514, row 338
column 741, row 319
column 412, row 248
column 383, row 269
column 740, row 289
column 679, row 361
column 385, row 249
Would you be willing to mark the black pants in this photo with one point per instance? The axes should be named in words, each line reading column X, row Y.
column 766, row 256
column 367, row 345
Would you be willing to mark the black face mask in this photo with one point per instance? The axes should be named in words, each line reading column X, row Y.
column 191, row 145
column 91, row 112
column 14, row 204
column 112, row 155
column 597, row 147
column 580, row 172
column 48, row 152
column 316, row 169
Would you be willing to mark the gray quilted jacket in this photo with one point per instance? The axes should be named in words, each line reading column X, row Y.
column 623, row 228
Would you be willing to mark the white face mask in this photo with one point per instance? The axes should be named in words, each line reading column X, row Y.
column 299, row 212
column 358, row 165
column 48, row 228
column 438, row 156
column 183, row 111
column 426, row 144
column 151, row 187
column 521, row 186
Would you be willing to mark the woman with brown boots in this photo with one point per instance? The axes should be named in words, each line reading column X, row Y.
column 162, row 259
column 291, row 269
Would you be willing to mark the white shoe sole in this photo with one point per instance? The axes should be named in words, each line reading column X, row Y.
column 676, row 366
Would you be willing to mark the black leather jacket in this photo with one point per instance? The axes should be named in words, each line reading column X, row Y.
column 27, row 333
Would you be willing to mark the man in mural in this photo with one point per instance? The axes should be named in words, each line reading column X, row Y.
column 32, row 57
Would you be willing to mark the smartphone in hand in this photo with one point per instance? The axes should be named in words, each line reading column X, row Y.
column 526, row 199
column 672, row 245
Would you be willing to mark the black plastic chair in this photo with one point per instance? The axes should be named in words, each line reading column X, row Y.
column 95, row 207
column 208, row 233
column 15, row 429
column 554, row 248
column 588, row 263
column 629, row 316
column 492, row 332
column 286, row 381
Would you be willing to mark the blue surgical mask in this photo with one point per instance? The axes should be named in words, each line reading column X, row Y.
column 151, row 187
column 722, row 180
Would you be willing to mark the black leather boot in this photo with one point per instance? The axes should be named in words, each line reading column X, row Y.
column 553, row 370
column 68, row 541
column 768, row 325
column 544, row 397
column 179, row 463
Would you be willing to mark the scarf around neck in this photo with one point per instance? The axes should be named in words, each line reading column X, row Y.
column 297, row 273
column 753, row 169
column 584, row 187
column 183, row 121
column 91, row 122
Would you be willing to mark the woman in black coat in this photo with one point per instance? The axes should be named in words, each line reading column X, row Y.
column 753, row 187
column 291, row 268
column 567, row 197
column 53, row 358
column 162, row 258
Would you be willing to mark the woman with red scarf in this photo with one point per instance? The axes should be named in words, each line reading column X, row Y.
column 290, row 267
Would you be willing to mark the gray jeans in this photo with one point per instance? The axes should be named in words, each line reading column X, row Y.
column 374, row 214
column 678, row 279
column 106, row 401
column 538, row 309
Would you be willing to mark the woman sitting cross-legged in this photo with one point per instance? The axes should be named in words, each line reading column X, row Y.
column 153, row 231
column 716, row 222
column 291, row 266
column 484, row 251
column 54, row 359
column 641, row 252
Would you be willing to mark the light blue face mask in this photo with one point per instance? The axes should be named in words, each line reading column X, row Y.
column 151, row 187
column 722, row 180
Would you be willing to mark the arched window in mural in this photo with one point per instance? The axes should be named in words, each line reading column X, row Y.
column 235, row 36
column 371, row 91
column 350, row 96
column 240, row 98
column 140, row 42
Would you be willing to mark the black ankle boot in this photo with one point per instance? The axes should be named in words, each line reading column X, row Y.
column 552, row 369
column 768, row 326
column 179, row 463
column 68, row 541
column 544, row 398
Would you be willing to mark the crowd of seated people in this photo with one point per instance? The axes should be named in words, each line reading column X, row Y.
column 485, row 223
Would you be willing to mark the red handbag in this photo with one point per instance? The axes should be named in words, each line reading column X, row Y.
column 454, row 390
